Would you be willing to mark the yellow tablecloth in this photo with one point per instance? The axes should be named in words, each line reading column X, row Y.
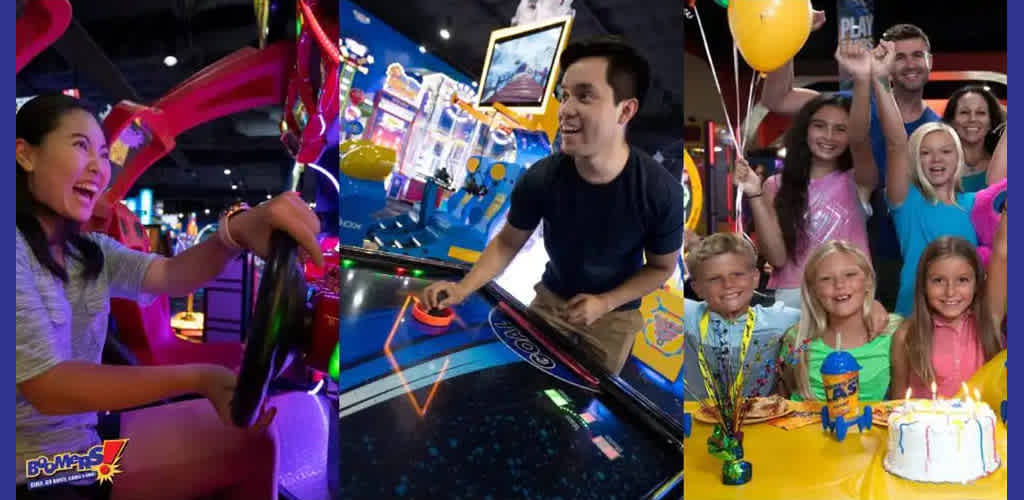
column 809, row 464
column 991, row 381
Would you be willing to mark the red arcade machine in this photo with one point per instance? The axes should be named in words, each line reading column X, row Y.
column 140, row 135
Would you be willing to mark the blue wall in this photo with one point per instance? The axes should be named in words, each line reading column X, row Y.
column 387, row 46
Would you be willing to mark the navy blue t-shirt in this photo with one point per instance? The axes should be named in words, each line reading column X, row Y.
column 882, row 233
column 596, row 235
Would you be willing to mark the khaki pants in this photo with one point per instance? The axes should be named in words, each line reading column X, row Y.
column 609, row 339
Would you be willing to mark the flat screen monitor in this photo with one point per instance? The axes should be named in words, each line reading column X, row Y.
column 521, row 67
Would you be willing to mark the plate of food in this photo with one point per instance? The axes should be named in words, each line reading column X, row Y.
column 761, row 409
column 881, row 410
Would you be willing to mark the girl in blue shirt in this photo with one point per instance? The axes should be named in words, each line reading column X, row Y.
column 923, row 188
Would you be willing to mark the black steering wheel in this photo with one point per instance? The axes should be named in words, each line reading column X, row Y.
column 279, row 328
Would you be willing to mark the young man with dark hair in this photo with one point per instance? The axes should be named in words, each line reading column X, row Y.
column 605, row 207
column 909, row 74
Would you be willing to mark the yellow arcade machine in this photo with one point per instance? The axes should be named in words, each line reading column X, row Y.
column 660, row 344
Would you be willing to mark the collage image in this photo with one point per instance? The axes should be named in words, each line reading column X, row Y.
column 511, row 249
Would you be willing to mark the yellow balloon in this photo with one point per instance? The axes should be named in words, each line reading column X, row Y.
column 768, row 33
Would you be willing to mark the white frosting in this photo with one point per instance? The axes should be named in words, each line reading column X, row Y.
column 944, row 441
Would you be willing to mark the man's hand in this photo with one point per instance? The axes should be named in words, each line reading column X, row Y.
column 883, row 55
column 585, row 309
column 442, row 294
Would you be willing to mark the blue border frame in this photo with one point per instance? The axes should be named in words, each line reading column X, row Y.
column 9, row 215
column 1014, row 377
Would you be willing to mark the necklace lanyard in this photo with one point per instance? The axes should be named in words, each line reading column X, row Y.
column 748, row 333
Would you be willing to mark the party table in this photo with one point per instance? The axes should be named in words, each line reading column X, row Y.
column 809, row 464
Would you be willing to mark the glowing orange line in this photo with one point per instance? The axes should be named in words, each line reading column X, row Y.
column 437, row 384
column 421, row 411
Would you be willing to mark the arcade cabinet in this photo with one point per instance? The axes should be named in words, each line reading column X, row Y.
column 440, row 141
column 395, row 108
column 517, row 119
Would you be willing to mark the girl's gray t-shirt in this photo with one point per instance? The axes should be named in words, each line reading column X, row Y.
column 57, row 322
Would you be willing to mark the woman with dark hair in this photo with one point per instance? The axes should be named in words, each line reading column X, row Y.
column 821, row 193
column 64, row 281
column 975, row 114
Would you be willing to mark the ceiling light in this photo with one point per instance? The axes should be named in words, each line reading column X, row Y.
column 445, row 34
column 207, row 211
column 423, row 50
column 234, row 187
column 227, row 171
column 268, row 196
column 170, row 61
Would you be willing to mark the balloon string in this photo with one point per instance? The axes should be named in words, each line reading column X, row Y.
column 739, row 217
column 738, row 134
column 736, row 89
column 739, row 209
column 750, row 104
column 714, row 74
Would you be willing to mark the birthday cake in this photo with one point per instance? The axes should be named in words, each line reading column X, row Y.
column 943, row 441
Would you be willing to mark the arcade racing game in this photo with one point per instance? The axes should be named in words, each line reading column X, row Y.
column 291, row 320
column 483, row 400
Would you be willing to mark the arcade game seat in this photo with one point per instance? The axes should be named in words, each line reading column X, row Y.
column 145, row 330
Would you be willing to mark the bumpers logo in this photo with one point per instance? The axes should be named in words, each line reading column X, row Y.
column 100, row 462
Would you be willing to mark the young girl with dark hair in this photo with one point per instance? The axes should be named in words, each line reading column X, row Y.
column 828, row 173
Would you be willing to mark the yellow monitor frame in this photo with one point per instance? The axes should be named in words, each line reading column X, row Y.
column 508, row 34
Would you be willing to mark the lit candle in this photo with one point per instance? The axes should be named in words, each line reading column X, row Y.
column 935, row 391
column 977, row 395
column 906, row 400
column 970, row 402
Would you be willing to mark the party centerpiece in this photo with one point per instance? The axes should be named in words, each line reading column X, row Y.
column 729, row 405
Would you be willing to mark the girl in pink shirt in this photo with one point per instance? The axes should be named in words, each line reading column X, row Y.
column 816, row 198
column 952, row 331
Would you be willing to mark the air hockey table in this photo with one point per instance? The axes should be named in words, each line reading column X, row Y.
column 495, row 406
